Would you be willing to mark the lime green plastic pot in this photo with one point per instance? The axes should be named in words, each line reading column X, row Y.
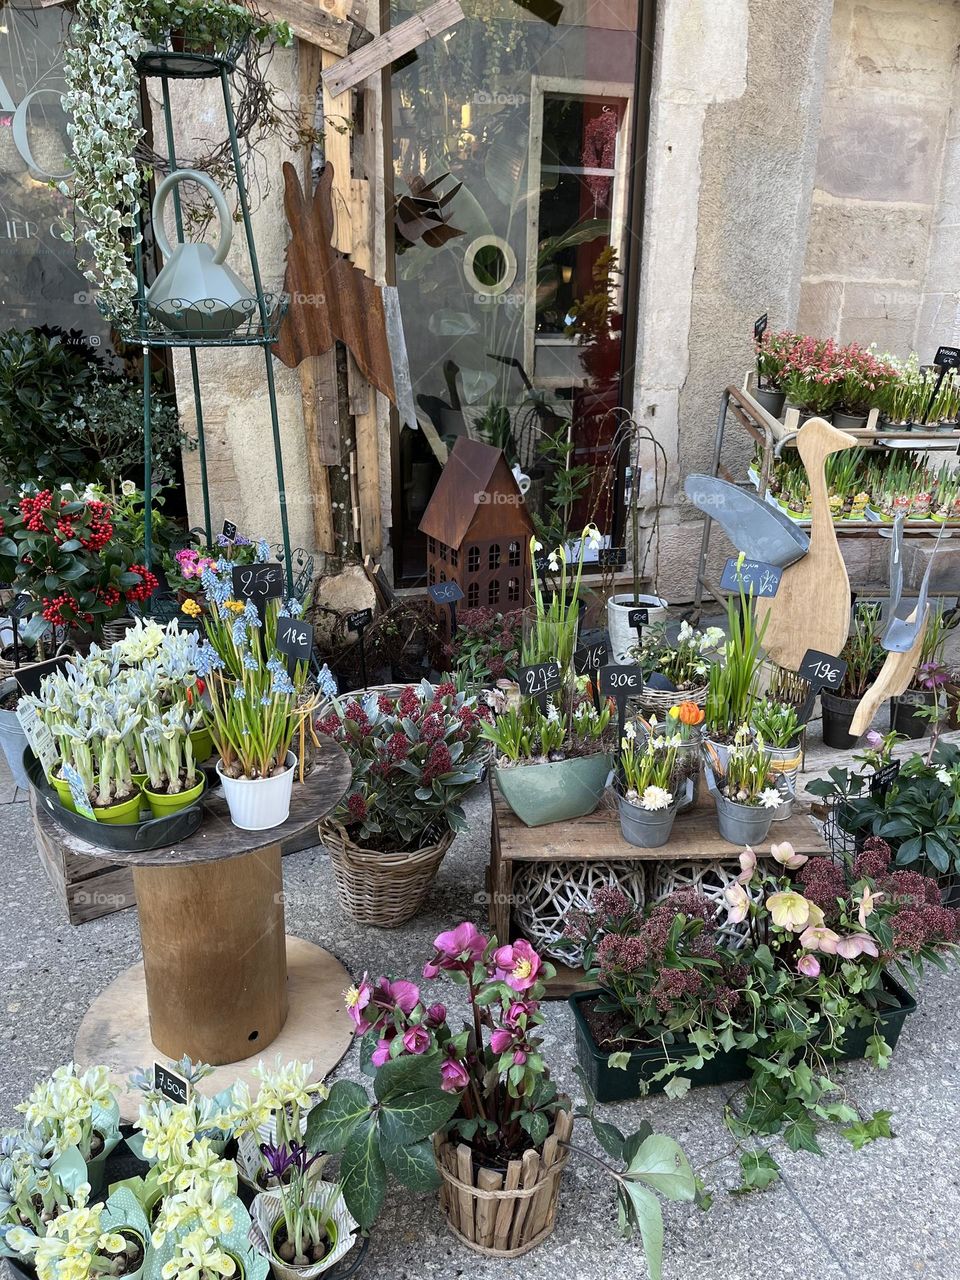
column 161, row 806
column 124, row 814
column 63, row 791
column 202, row 744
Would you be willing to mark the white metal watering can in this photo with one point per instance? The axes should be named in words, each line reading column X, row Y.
column 196, row 294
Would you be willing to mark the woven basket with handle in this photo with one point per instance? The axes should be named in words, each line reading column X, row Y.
column 659, row 701
column 382, row 889
column 503, row 1213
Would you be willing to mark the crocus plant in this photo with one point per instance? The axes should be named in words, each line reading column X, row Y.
column 486, row 1084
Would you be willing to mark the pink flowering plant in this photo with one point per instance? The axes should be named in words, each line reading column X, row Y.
column 413, row 755
column 817, row 941
column 484, row 1082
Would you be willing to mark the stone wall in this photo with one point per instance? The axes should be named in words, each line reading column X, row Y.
column 882, row 262
column 734, row 129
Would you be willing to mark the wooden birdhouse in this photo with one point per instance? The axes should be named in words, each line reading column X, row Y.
column 478, row 531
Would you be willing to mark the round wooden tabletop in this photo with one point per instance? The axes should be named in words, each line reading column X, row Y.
column 217, row 838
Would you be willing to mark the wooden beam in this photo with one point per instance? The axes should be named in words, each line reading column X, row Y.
column 379, row 53
column 310, row 22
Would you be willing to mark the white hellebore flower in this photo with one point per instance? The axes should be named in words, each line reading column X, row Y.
column 785, row 855
column 737, row 901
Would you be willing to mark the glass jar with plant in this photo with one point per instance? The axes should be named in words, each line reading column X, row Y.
column 553, row 765
column 810, row 987
column 864, row 656
column 483, row 1090
column 732, row 682
column 551, row 624
column 675, row 671
column 744, row 788
column 648, row 784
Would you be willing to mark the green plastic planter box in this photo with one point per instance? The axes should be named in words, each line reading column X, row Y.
column 613, row 1084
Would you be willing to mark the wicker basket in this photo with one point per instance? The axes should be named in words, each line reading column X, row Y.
column 382, row 889
column 503, row 1215
column 658, row 702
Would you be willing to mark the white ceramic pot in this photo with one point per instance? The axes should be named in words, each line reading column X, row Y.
column 256, row 804
column 623, row 637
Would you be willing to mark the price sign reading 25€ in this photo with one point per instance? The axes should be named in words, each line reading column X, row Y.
column 257, row 582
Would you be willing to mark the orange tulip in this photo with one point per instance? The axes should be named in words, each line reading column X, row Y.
column 689, row 713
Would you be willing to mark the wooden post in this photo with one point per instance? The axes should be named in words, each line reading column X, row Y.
column 214, row 955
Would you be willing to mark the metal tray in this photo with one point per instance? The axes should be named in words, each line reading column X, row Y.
column 153, row 833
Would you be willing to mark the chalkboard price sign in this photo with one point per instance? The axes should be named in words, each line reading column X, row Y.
column 822, row 670
column 541, row 563
column 258, row 582
column 445, row 592
column 880, row 781
column 947, row 357
column 295, row 640
column 588, row 661
column 360, row 619
column 760, row 326
column 169, row 1084
column 539, row 678
column 229, row 530
column 638, row 617
column 621, row 682
column 752, row 576
column 28, row 678
column 612, row 557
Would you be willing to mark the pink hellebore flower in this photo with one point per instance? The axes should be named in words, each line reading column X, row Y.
column 436, row 1015
column 857, row 944
column 874, row 740
column 868, row 899
column 789, row 910
column 517, row 965
column 737, row 901
column 381, row 1053
column 785, row 855
column 809, row 966
column 501, row 1040
column 416, row 1040
column 816, row 938
column 458, row 948
column 399, row 994
column 519, row 1009
column 519, row 1058
column 453, row 1076
column 356, row 999
column 748, row 865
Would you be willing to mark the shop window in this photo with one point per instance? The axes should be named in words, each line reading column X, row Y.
column 432, row 546
column 443, row 551
column 513, row 590
column 473, row 560
column 473, row 595
column 493, row 558
column 493, row 592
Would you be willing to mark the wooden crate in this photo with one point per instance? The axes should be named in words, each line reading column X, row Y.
column 597, row 838
column 88, row 888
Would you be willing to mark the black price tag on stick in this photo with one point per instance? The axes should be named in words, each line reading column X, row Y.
column 760, row 326
column 612, row 557
column 822, row 670
column 881, row 780
column 586, row 662
column 28, row 678
column 947, row 357
column 229, row 530
column 638, row 618
column 447, row 593
column 539, row 679
column 295, row 641
column 541, row 563
column 621, row 682
column 754, row 577
column 170, row 1084
column 358, row 620
column 258, row 582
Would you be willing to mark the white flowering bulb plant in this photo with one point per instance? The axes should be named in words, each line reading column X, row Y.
column 527, row 735
column 651, row 772
column 745, row 776
column 684, row 662
column 74, row 1108
column 552, row 635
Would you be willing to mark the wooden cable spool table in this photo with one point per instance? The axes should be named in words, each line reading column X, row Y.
column 220, row 980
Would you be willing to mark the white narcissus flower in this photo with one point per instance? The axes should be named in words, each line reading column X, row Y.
column 655, row 798
column 737, row 901
column 770, row 798
column 785, row 855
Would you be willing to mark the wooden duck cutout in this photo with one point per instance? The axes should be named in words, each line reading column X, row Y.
column 811, row 610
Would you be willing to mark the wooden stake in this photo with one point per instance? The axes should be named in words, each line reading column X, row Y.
column 465, row 1174
column 504, row 1219
column 487, row 1180
column 531, row 1172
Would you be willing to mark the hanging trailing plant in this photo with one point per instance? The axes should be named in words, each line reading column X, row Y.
column 103, row 105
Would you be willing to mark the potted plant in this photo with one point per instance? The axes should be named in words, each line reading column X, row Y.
column 911, row 712
column 676, row 1007
column 772, row 356
column 552, row 766
column 197, row 26
column 483, row 1093
column 779, row 726
column 675, row 671
column 210, row 1242
column 484, row 649
column 37, row 1186
column 89, row 1242
column 210, row 1120
column 173, row 780
column 744, row 790
column 864, row 656
column 414, row 755
column 647, row 789
column 74, row 1108
column 732, row 682
column 275, row 1118
column 302, row 1227
column 862, row 378
column 812, row 378
column 551, row 624
column 13, row 740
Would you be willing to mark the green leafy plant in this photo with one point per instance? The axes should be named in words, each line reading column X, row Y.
column 527, row 735
column 777, row 723
column 199, row 26
column 485, row 648
column 732, row 682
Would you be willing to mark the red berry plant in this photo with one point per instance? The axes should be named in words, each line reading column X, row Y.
column 414, row 754
column 60, row 549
